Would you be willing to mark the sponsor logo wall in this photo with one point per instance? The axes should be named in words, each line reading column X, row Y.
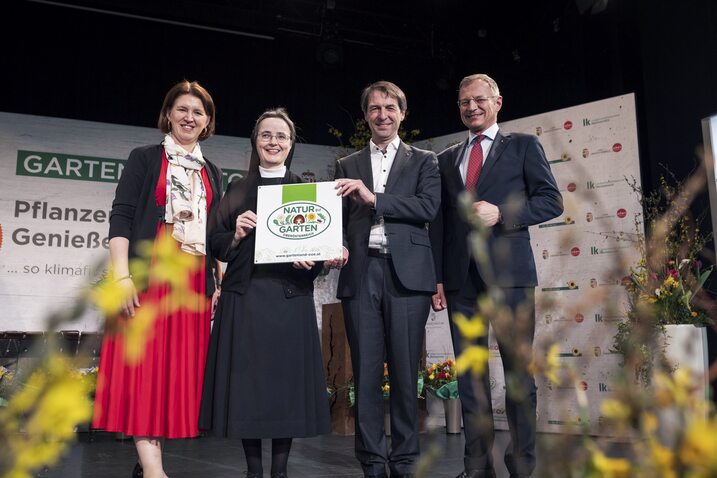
column 581, row 256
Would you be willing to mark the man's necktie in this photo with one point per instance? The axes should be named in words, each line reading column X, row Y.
column 475, row 163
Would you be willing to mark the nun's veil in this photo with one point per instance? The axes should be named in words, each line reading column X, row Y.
column 241, row 193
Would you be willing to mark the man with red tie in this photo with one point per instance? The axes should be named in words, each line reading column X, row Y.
column 512, row 188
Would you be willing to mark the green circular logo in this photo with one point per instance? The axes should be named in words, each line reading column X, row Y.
column 298, row 220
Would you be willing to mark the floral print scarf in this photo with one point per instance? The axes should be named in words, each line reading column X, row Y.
column 186, row 206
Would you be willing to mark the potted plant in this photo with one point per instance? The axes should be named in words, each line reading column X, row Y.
column 441, row 382
column 664, row 287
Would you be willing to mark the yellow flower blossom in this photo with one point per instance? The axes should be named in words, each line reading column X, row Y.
column 610, row 467
column 664, row 459
column 171, row 265
column 552, row 364
column 470, row 329
column 644, row 297
column 109, row 295
column 615, row 409
column 6, row 374
column 136, row 332
column 474, row 359
column 699, row 448
column 311, row 216
column 675, row 388
column 51, row 403
column 670, row 282
column 649, row 422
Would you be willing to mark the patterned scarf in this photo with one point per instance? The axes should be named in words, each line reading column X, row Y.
column 186, row 206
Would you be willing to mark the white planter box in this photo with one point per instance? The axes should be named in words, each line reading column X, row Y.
column 686, row 347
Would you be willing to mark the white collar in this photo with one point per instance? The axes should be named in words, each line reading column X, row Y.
column 272, row 173
column 392, row 145
column 489, row 133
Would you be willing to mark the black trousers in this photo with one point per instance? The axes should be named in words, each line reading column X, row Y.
column 515, row 340
column 386, row 320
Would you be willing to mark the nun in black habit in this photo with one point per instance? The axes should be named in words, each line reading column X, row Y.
column 264, row 374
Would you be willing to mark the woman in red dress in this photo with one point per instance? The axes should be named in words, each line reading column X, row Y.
column 165, row 189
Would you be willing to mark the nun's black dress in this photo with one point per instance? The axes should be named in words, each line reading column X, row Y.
column 264, row 375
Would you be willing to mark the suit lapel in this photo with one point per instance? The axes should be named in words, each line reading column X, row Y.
column 499, row 145
column 403, row 154
column 364, row 167
column 454, row 167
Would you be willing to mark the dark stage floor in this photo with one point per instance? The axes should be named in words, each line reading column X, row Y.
column 324, row 456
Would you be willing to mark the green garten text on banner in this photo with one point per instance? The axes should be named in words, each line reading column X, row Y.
column 86, row 168
column 65, row 166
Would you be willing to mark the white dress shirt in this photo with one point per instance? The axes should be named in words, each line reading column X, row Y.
column 381, row 163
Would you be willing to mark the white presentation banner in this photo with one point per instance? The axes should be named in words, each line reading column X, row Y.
column 298, row 222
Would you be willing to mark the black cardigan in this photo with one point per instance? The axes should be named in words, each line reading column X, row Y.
column 241, row 196
column 135, row 213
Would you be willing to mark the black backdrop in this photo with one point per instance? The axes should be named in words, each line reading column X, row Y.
column 83, row 64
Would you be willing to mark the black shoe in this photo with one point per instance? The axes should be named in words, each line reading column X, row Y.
column 137, row 472
column 281, row 474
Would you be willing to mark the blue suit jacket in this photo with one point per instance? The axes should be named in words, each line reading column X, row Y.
column 410, row 201
column 516, row 177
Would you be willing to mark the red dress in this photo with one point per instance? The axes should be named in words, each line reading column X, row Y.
column 160, row 395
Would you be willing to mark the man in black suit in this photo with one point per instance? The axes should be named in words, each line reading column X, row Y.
column 512, row 188
column 391, row 191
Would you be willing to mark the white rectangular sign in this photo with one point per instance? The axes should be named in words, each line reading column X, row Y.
column 298, row 222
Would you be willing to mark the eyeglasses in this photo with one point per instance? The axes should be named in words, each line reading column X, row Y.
column 281, row 138
column 480, row 101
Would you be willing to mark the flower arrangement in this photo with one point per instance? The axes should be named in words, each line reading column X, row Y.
column 441, row 379
column 385, row 382
column 664, row 287
column 385, row 386
column 6, row 378
column 669, row 291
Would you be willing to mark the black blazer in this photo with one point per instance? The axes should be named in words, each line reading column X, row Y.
column 135, row 214
column 240, row 197
column 516, row 177
column 410, row 201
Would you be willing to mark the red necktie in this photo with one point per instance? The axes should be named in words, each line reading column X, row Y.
column 475, row 163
